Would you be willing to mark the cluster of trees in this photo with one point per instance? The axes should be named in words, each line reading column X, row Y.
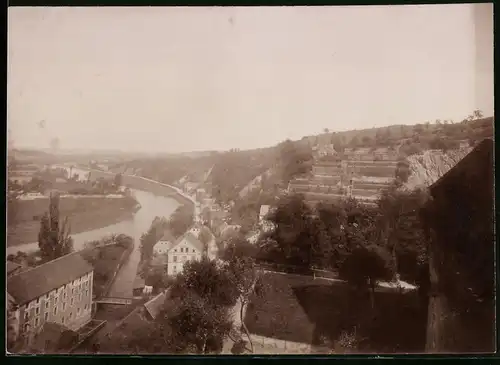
column 245, row 211
column 413, row 139
column 181, row 219
column 364, row 244
column 199, row 315
column 295, row 160
column 149, row 238
column 235, row 169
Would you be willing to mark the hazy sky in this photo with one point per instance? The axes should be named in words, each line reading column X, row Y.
column 182, row 79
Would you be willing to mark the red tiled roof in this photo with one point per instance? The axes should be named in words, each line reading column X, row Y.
column 33, row 283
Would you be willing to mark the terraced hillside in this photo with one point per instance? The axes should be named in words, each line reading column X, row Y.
column 334, row 180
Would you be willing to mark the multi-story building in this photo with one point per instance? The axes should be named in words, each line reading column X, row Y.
column 59, row 291
column 186, row 248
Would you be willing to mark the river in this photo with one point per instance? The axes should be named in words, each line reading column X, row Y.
column 151, row 206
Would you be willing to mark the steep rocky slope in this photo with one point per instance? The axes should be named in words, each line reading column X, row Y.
column 429, row 166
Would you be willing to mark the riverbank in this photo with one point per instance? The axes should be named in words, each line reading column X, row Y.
column 107, row 261
column 144, row 184
column 84, row 213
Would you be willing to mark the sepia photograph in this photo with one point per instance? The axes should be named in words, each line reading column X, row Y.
column 250, row 180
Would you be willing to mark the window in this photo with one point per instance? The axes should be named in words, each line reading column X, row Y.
column 184, row 258
column 26, row 315
column 46, row 304
column 87, row 293
column 55, row 310
column 80, row 297
column 194, row 250
column 63, row 319
column 38, row 300
column 78, row 311
column 70, row 315
column 64, row 306
column 46, row 316
column 175, row 258
column 37, row 320
column 175, row 250
column 37, row 310
column 86, row 306
column 71, row 303
column 182, row 249
column 72, row 291
column 64, row 295
column 26, row 327
column 175, row 268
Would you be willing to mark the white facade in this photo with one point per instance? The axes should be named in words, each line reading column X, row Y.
column 184, row 250
column 162, row 247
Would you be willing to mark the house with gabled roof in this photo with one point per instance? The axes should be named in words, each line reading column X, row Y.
column 188, row 247
column 165, row 243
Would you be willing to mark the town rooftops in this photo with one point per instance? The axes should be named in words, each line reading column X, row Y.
column 33, row 283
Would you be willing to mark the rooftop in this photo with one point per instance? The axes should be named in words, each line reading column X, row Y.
column 33, row 283
column 154, row 306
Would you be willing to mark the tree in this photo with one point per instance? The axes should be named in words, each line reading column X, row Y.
column 294, row 231
column 205, row 237
column 477, row 114
column 118, row 180
column 240, row 255
column 54, row 241
column 206, row 214
column 149, row 238
column 365, row 266
column 326, row 130
column 181, row 220
column 401, row 230
column 402, row 171
column 199, row 312
column 366, row 140
column 294, row 160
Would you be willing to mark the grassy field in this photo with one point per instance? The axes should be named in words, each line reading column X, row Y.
column 301, row 309
column 84, row 214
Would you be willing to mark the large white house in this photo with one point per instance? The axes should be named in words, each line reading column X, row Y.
column 176, row 252
column 187, row 248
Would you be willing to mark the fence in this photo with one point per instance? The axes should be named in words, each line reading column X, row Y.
column 291, row 269
column 280, row 345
